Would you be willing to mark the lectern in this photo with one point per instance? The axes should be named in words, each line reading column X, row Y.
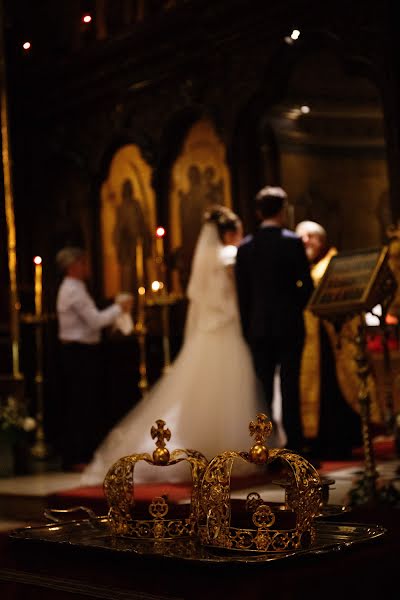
column 352, row 285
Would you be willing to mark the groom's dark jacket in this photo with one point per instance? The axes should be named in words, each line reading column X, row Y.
column 273, row 283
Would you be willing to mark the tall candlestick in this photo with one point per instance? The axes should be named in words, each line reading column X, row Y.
column 39, row 449
column 160, row 233
column 140, row 326
column 139, row 263
column 38, row 285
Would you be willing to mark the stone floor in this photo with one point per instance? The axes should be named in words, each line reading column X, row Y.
column 22, row 499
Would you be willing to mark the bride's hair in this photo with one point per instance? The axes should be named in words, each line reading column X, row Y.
column 224, row 219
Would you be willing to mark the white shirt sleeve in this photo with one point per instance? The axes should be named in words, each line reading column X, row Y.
column 84, row 306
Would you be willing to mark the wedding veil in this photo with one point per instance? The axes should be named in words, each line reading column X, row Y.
column 210, row 289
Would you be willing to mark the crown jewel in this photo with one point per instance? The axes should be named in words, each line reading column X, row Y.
column 159, row 520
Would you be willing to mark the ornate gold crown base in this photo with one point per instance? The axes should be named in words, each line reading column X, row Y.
column 263, row 540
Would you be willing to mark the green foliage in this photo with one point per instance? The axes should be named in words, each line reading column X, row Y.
column 15, row 423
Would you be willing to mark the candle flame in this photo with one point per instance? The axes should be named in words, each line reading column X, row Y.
column 37, row 260
column 160, row 232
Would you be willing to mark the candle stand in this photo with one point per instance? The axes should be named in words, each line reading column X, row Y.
column 387, row 369
column 365, row 490
column 164, row 300
column 140, row 325
column 140, row 332
column 40, row 448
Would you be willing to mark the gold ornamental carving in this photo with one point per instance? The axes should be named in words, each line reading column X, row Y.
column 159, row 520
column 260, row 526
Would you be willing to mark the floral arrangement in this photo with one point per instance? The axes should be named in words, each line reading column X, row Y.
column 14, row 420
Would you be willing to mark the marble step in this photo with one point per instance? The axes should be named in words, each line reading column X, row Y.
column 26, row 497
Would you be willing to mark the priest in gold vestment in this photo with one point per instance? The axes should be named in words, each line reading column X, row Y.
column 329, row 383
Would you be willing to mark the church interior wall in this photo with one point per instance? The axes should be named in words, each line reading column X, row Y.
column 342, row 194
column 235, row 70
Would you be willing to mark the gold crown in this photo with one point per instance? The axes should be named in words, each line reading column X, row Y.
column 255, row 524
column 158, row 520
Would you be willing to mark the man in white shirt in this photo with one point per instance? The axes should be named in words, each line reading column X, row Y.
column 80, row 325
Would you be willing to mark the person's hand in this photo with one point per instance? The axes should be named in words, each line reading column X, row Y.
column 127, row 305
column 125, row 301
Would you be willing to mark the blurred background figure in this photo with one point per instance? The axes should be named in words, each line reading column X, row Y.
column 80, row 325
column 315, row 242
column 329, row 383
column 274, row 285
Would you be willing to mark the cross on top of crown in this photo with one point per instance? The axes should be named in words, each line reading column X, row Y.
column 160, row 433
column 261, row 428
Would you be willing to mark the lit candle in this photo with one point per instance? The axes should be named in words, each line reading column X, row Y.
column 139, row 263
column 38, row 285
column 160, row 233
column 141, row 304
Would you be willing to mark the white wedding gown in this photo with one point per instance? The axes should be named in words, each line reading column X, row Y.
column 209, row 395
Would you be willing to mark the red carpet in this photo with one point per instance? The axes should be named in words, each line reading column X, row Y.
column 384, row 448
column 93, row 496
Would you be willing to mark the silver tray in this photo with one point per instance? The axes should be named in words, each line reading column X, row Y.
column 94, row 534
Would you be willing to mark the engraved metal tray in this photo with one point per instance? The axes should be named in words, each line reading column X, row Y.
column 94, row 534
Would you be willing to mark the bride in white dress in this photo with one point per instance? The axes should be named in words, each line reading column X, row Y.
column 210, row 393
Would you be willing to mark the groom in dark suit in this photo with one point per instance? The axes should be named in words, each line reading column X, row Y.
column 274, row 285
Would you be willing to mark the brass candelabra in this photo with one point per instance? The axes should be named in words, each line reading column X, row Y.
column 159, row 297
column 140, row 325
column 11, row 237
column 365, row 490
column 40, row 448
column 164, row 300
column 387, row 368
column 141, row 332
